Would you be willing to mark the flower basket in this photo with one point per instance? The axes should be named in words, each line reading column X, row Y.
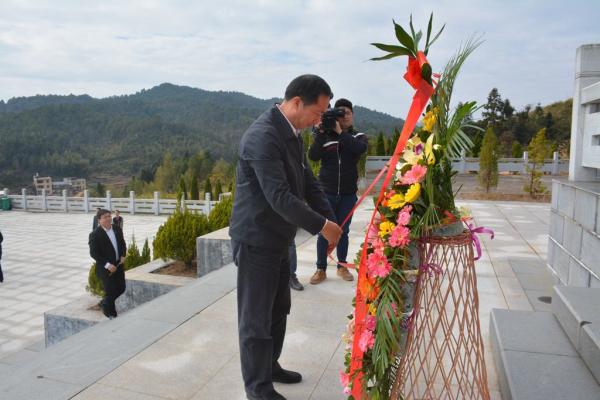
column 414, row 332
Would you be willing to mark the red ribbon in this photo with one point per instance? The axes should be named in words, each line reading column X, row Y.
column 423, row 93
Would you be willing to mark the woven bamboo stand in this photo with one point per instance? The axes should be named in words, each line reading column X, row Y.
column 444, row 355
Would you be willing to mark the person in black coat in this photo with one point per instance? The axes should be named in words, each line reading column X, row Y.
column 1, row 274
column 339, row 152
column 275, row 194
column 108, row 248
column 118, row 220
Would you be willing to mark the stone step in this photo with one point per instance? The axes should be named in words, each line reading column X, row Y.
column 578, row 312
column 535, row 359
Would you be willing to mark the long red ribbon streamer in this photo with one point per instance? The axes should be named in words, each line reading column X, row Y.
column 423, row 93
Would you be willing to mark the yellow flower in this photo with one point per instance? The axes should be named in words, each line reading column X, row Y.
column 396, row 201
column 372, row 309
column 429, row 150
column 413, row 193
column 429, row 120
column 385, row 228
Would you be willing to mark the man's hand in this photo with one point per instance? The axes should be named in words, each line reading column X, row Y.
column 111, row 268
column 338, row 128
column 122, row 260
column 331, row 232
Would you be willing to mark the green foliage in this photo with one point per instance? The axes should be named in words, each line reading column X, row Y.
column 218, row 189
column 176, row 238
column 133, row 258
column 181, row 189
column 146, row 258
column 194, row 190
column 538, row 150
column 165, row 177
column 94, row 285
column 221, row 214
column 380, row 145
column 207, row 186
column 488, row 161
column 516, row 149
column 58, row 135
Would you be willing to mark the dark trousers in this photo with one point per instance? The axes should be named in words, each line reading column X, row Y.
column 113, row 285
column 341, row 205
column 1, row 274
column 263, row 295
column 293, row 259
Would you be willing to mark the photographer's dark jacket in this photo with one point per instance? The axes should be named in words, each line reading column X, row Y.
column 339, row 155
column 275, row 191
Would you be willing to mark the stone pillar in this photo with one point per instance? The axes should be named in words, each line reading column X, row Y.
column 44, row 201
column 86, row 201
column 132, row 202
column 207, row 203
column 65, row 201
column 463, row 162
column 156, row 203
column 108, row 200
column 525, row 162
column 555, row 163
column 24, row 197
column 587, row 72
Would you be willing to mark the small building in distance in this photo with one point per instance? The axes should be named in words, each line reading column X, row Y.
column 73, row 186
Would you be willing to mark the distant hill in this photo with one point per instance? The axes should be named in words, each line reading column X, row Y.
column 120, row 135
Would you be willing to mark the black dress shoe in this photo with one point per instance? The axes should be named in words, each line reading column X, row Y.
column 269, row 396
column 294, row 283
column 284, row 376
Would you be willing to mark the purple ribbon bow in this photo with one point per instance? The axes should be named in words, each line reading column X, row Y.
column 474, row 233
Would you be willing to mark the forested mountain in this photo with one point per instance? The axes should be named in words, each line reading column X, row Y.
column 121, row 135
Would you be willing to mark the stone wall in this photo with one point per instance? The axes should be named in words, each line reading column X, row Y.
column 574, row 237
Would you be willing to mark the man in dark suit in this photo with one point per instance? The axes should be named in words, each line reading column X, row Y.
column 118, row 220
column 275, row 193
column 108, row 248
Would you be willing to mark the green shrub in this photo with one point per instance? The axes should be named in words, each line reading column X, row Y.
column 133, row 258
column 94, row 285
column 146, row 252
column 219, row 216
column 176, row 238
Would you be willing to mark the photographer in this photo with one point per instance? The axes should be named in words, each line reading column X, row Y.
column 339, row 147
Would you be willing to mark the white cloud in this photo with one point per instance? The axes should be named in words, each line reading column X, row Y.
column 258, row 47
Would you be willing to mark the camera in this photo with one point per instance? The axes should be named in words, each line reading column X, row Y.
column 329, row 117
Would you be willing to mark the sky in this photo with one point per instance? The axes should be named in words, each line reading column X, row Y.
column 257, row 47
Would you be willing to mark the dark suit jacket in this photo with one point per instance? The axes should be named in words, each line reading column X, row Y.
column 101, row 248
column 276, row 191
column 1, row 239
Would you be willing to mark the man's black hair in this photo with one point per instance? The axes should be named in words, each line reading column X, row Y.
column 308, row 87
column 101, row 212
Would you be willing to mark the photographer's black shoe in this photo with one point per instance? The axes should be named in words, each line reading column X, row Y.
column 295, row 283
column 270, row 396
column 285, row 376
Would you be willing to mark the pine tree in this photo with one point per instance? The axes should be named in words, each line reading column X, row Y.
column 538, row 149
column 146, row 253
column 517, row 149
column 194, row 190
column 181, row 189
column 218, row 189
column 380, row 146
column 207, row 186
column 488, row 160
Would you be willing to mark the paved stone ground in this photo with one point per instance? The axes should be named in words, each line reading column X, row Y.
column 46, row 261
column 199, row 359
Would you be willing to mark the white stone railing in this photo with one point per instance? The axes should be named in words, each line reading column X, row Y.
column 128, row 205
column 465, row 165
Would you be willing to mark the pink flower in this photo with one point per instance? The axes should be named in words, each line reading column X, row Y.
column 414, row 175
column 404, row 215
column 366, row 341
column 370, row 322
column 373, row 232
column 345, row 381
column 400, row 236
column 377, row 264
